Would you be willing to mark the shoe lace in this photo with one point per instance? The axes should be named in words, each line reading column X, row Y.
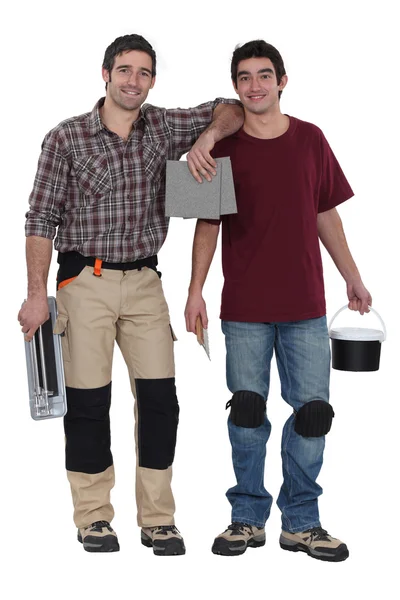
column 239, row 528
column 99, row 525
column 165, row 529
column 318, row 534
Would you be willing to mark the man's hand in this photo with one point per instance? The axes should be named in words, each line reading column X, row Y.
column 200, row 161
column 195, row 306
column 34, row 312
column 359, row 297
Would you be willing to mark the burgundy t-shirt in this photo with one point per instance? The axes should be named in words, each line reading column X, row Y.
column 270, row 250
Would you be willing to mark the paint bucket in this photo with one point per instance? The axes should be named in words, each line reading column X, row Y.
column 356, row 348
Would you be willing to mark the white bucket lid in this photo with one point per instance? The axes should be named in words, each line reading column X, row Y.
column 357, row 334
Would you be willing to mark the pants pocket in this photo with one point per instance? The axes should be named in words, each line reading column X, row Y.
column 65, row 282
column 61, row 328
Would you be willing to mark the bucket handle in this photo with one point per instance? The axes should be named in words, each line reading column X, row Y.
column 370, row 308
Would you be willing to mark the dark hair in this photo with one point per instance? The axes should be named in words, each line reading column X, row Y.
column 257, row 49
column 126, row 43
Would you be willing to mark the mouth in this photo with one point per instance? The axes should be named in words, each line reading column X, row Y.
column 256, row 97
column 131, row 93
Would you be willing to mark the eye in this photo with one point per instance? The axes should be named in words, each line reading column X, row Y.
column 145, row 74
column 244, row 78
column 265, row 76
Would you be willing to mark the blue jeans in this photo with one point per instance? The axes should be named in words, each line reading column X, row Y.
column 303, row 358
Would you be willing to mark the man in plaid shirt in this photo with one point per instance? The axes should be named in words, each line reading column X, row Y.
column 100, row 191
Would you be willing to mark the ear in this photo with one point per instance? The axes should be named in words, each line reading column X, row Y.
column 234, row 86
column 283, row 82
column 105, row 74
column 153, row 80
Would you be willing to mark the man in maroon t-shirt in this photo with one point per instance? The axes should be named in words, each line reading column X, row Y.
column 288, row 183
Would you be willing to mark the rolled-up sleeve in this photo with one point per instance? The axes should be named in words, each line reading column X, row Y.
column 47, row 199
column 186, row 124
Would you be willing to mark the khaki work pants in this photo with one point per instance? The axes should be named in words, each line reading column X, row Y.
column 93, row 312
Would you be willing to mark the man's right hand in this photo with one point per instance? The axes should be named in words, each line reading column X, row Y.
column 195, row 306
column 34, row 312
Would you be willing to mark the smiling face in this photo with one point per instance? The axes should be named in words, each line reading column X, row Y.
column 257, row 85
column 130, row 79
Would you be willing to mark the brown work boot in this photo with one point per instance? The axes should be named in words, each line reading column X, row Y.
column 316, row 542
column 237, row 538
column 164, row 539
column 98, row 537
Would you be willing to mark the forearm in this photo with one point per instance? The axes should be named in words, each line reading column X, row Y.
column 204, row 245
column 38, row 257
column 331, row 234
column 227, row 119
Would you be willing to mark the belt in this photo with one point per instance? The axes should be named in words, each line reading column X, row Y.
column 90, row 261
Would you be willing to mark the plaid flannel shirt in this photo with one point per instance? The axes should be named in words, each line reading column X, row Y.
column 105, row 195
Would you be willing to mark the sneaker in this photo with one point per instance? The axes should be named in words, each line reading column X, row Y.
column 164, row 539
column 98, row 537
column 237, row 538
column 316, row 542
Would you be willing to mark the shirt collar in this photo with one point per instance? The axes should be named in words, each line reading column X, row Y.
column 96, row 124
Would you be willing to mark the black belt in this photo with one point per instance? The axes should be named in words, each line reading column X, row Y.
column 77, row 258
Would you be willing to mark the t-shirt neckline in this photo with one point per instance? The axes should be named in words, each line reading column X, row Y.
column 281, row 138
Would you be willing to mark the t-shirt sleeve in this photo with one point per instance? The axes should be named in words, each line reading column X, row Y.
column 212, row 221
column 334, row 187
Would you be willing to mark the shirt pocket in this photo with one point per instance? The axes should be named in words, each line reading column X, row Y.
column 154, row 160
column 93, row 175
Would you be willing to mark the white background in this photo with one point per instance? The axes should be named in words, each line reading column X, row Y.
column 342, row 63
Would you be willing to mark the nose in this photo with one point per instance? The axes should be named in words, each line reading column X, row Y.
column 134, row 79
column 255, row 85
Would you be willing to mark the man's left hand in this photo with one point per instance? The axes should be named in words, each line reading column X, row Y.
column 200, row 161
column 359, row 297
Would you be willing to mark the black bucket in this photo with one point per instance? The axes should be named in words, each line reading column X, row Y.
column 356, row 348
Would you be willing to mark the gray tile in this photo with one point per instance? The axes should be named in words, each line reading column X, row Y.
column 187, row 198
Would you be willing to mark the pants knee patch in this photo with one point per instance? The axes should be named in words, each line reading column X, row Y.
column 158, row 416
column 314, row 419
column 247, row 409
column 87, row 430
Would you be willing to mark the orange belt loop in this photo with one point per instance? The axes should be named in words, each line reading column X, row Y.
column 97, row 267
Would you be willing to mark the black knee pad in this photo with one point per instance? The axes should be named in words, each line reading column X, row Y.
column 314, row 419
column 247, row 409
column 87, row 430
column 158, row 416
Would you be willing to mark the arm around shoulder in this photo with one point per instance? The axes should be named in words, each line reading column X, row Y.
column 227, row 119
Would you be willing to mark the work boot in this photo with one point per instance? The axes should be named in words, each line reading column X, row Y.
column 237, row 538
column 316, row 542
column 98, row 537
column 164, row 539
